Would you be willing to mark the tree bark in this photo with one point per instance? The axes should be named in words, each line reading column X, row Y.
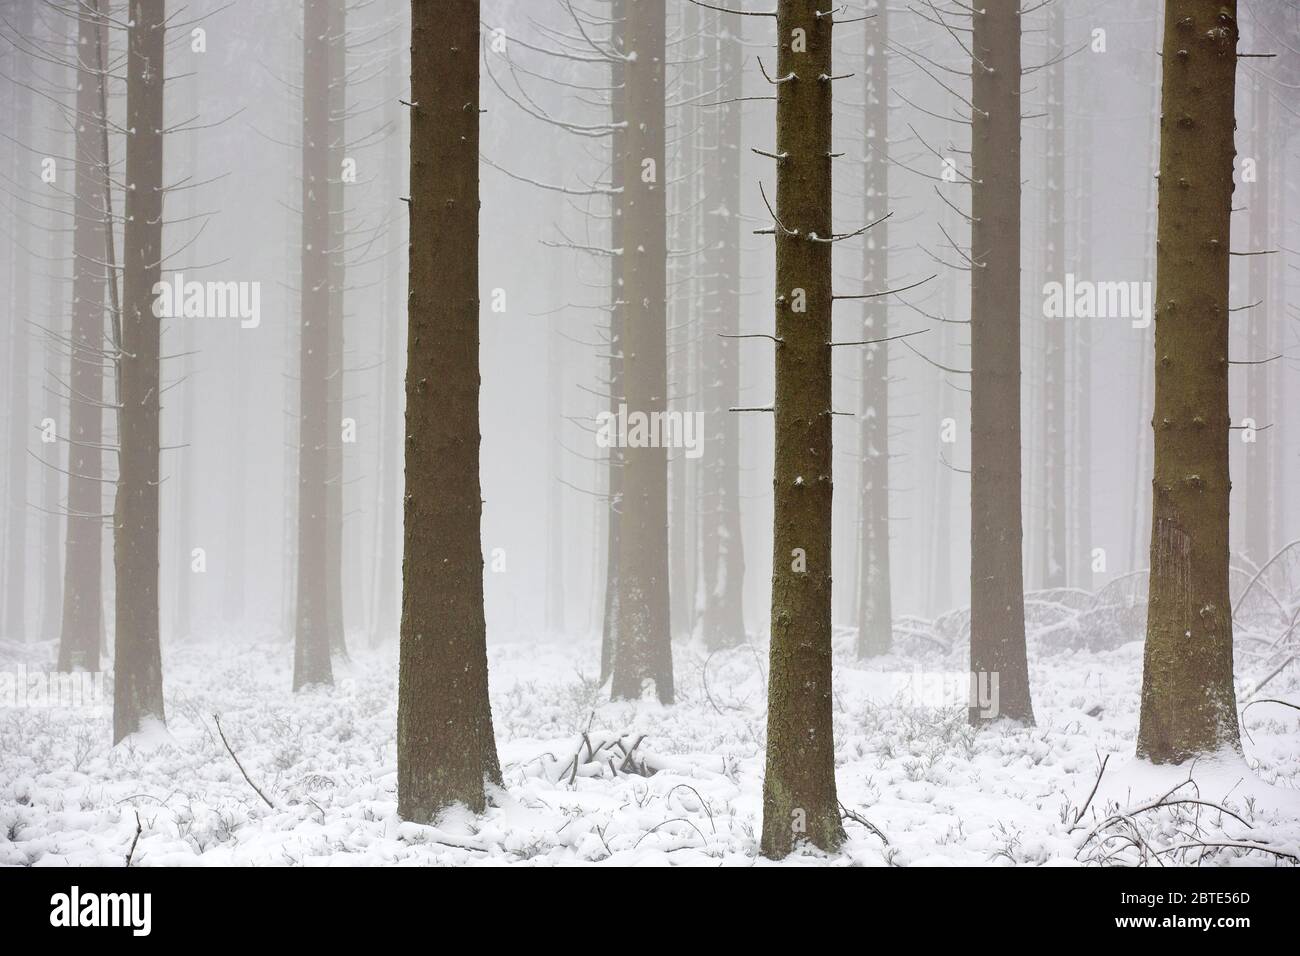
column 335, row 467
column 137, row 683
column 387, row 600
column 312, row 663
column 445, row 744
column 875, row 613
column 644, row 649
column 997, row 639
column 1257, row 543
column 20, row 356
column 617, row 310
column 799, row 801
column 83, row 575
column 1054, row 567
column 1080, row 552
column 723, row 553
column 1188, row 702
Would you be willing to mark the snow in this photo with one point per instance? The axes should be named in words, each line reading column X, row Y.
column 689, row 793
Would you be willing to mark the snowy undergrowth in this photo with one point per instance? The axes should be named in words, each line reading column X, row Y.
column 637, row 783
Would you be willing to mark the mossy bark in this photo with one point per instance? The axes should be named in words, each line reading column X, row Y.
column 445, row 744
column 997, row 638
column 799, row 801
column 1188, row 702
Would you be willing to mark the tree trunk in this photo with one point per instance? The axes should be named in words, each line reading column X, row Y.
column 1081, row 561
column 875, row 613
column 83, row 576
column 1189, row 706
column 1054, row 468
column 617, row 311
column 1140, row 537
column 723, row 554
column 335, row 468
column 137, row 684
column 186, row 477
column 387, row 600
column 644, row 649
column 1257, row 543
column 311, row 663
column 445, row 744
column 683, row 305
column 55, row 369
column 555, row 525
column 20, row 357
column 997, row 639
column 799, row 801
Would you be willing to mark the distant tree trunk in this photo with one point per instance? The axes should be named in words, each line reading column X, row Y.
column 555, row 530
column 335, row 468
column 997, row 639
column 723, row 553
column 292, row 372
column 445, row 745
column 875, row 612
column 617, row 311
column 312, row 642
column 644, row 650
column 20, row 356
column 1054, row 470
column 83, row 599
column 235, row 564
column 1081, row 560
column 388, row 592
column 799, row 801
column 1189, row 705
column 1141, row 537
column 938, row 567
column 55, row 369
column 1257, row 544
column 137, row 666
column 684, row 302
column 183, row 615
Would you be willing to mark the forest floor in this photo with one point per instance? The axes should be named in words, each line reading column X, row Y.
column 690, row 792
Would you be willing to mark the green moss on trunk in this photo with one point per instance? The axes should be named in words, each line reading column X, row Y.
column 1188, row 702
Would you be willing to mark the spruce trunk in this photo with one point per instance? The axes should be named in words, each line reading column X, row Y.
column 445, row 745
column 997, row 637
column 137, row 666
column 799, row 801
column 1189, row 705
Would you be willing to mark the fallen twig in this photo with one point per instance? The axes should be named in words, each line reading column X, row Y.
column 131, row 852
column 217, row 721
column 1096, row 783
column 848, row 814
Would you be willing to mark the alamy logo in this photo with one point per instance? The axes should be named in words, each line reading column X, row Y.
column 102, row 909
column 940, row 690
column 24, row 688
column 179, row 299
column 1085, row 299
column 624, row 429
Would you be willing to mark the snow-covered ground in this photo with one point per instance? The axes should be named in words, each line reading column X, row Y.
column 691, row 792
